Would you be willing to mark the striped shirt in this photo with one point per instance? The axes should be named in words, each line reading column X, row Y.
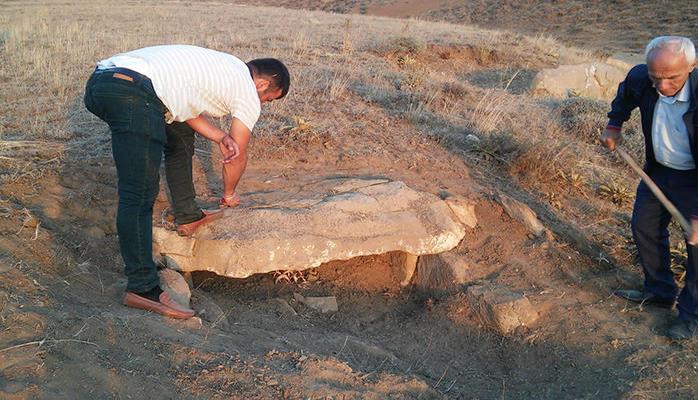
column 191, row 81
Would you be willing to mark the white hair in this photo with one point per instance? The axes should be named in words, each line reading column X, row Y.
column 677, row 44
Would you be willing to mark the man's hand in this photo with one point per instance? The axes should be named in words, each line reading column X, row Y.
column 610, row 138
column 229, row 148
column 693, row 237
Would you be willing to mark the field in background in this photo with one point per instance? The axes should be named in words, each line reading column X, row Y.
column 443, row 107
column 605, row 26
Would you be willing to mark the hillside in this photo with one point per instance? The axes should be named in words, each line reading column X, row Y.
column 371, row 97
column 600, row 25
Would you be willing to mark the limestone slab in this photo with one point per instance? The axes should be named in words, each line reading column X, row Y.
column 372, row 218
column 597, row 80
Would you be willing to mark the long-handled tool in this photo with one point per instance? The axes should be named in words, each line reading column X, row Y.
column 657, row 192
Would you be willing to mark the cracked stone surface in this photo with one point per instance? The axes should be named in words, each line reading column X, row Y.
column 341, row 219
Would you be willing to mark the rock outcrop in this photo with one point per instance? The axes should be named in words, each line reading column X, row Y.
column 597, row 80
column 353, row 217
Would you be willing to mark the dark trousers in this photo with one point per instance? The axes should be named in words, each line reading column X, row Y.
column 179, row 151
column 649, row 226
column 139, row 134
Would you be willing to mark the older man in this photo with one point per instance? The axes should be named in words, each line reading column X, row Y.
column 666, row 91
column 153, row 100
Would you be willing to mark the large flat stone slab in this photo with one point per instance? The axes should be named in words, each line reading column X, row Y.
column 352, row 218
column 597, row 80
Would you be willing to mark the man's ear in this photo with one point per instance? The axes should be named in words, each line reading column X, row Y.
column 261, row 84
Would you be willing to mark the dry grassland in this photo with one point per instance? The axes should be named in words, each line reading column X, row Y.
column 370, row 96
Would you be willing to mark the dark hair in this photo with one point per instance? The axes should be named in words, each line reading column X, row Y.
column 274, row 70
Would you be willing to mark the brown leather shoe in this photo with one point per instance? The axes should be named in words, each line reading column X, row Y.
column 166, row 306
column 190, row 228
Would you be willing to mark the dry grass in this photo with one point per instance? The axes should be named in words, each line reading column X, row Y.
column 350, row 75
column 343, row 68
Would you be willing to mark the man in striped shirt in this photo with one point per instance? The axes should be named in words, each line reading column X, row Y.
column 153, row 100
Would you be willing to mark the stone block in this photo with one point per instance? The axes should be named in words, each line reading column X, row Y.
column 522, row 213
column 596, row 80
column 175, row 285
column 404, row 266
column 373, row 217
column 322, row 304
column 447, row 272
column 501, row 309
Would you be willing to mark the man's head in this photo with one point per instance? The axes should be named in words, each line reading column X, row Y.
column 670, row 59
column 271, row 78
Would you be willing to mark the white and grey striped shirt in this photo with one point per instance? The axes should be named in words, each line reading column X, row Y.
column 192, row 80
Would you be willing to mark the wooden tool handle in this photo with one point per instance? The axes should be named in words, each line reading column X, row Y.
column 657, row 192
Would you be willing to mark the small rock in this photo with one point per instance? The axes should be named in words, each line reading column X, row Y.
column 464, row 210
column 175, row 285
column 322, row 304
column 500, row 308
column 472, row 138
column 193, row 323
column 447, row 271
column 283, row 306
column 209, row 311
column 522, row 213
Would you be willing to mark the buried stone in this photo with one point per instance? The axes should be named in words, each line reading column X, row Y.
column 351, row 218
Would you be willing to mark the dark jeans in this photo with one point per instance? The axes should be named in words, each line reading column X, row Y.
column 136, row 119
column 649, row 225
column 179, row 151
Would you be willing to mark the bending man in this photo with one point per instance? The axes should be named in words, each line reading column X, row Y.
column 153, row 100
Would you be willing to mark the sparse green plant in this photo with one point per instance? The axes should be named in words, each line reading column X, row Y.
column 678, row 260
column 414, row 77
column 573, row 179
column 615, row 193
column 498, row 146
column 405, row 60
column 553, row 199
column 406, row 44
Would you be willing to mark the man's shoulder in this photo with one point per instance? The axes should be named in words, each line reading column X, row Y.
column 639, row 71
column 638, row 77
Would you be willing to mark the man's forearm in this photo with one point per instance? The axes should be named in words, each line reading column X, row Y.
column 232, row 172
